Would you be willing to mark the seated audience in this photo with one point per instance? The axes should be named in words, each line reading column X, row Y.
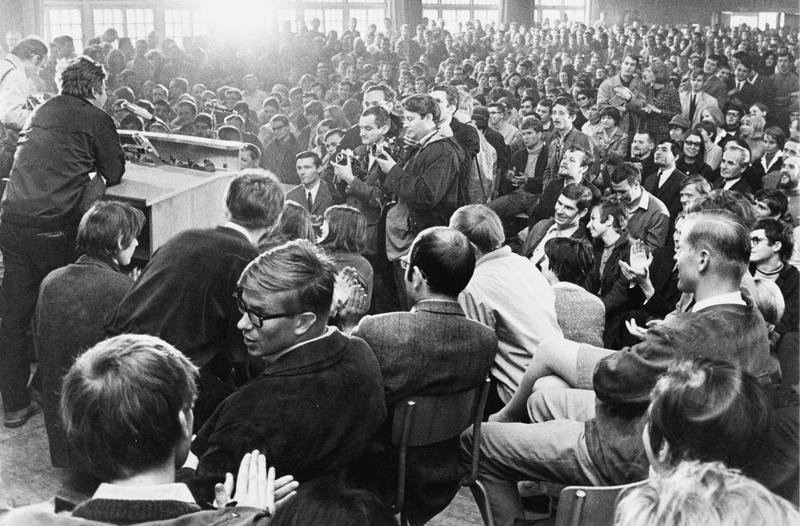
column 567, row 221
column 691, row 189
column 319, row 400
column 434, row 349
column 648, row 217
column 74, row 300
column 665, row 184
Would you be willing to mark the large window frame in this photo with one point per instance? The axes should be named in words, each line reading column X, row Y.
column 575, row 10
column 455, row 12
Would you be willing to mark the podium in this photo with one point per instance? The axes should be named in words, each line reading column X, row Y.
column 175, row 198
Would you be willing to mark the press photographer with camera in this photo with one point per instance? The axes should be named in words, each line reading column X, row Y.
column 427, row 184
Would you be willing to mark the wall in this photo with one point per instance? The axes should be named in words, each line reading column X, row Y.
column 686, row 11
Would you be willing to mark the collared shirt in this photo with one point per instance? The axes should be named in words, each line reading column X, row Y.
column 176, row 491
column 731, row 298
column 414, row 308
column 275, row 357
column 663, row 175
column 643, row 203
column 730, row 182
column 538, row 252
column 313, row 190
column 239, row 228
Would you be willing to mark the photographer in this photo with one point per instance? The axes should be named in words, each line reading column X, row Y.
column 427, row 186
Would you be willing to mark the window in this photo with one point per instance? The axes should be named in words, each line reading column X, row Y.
column 65, row 22
column 573, row 10
column 138, row 23
column 454, row 12
column 107, row 18
column 180, row 23
column 760, row 20
column 366, row 17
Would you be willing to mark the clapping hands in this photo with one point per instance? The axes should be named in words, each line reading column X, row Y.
column 256, row 486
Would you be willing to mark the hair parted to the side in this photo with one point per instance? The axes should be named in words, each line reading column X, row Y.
column 106, row 226
column 724, row 235
column 120, row 405
column 422, row 105
column 254, row 199
column 481, row 225
column 83, row 77
column 445, row 257
column 298, row 272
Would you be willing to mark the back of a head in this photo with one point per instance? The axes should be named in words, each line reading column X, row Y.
column 481, row 225
column 733, row 202
column 446, row 259
column 298, row 272
column 703, row 494
column 325, row 502
column 708, row 411
column 30, row 48
column 82, row 77
column 569, row 259
column 293, row 223
column 107, row 226
column 254, row 199
column 768, row 298
column 724, row 236
column 347, row 227
column 120, row 405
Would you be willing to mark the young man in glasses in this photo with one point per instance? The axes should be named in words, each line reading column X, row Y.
column 319, row 401
column 184, row 293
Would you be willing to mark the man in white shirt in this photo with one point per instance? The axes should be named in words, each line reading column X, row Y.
column 312, row 192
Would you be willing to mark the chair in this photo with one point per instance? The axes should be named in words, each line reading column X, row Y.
column 425, row 420
column 589, row 505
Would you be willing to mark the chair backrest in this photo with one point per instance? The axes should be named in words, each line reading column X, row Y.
column 589, row 505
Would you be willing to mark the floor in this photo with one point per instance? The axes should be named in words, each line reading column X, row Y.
column 26, row 476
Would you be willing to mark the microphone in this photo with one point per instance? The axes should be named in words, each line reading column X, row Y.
column 211, row 105
column 138, row 111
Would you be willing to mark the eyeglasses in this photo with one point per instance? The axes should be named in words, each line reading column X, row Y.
column 692, row 143
column 255, row 318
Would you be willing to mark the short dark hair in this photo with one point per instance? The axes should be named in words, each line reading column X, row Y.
column 82, row 77
column 776, row 133
column 709, row 410
column 446, row 259
column 382, row 117
column 27, row 48
column 388, row 93
column 229, row 133
column 531, row 122
column 254, row 199
column 675, row 147
column 567, row 103
column 776, row 201
column 347, row 228
column 629, row 172
column 579, row 193
column 422, row 105
column 452, row 93
column 778, row 231
column 120, row 405
column 315, row 108
column 254, row 150
column 612, row 112
column 106, row 226
column 296, row 267
column 569, row 259
column 613, row 207
column 308, row 154
column 325, row 502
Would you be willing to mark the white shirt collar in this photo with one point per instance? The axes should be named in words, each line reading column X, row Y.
column 644, row 201
column 665, row 173
column 314, row 190
column 239, row 228
column 328, row 331
column 175, row 491
column 730, row 182
column 731, row 298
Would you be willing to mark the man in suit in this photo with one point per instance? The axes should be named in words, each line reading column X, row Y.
column 694, row 101
column 433, row 349
column 312, row 192
column 666, row 183
column 319, row 400
column 743, row 90
column 735, row 160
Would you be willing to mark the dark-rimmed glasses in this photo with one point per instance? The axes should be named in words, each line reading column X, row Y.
column 256, row 318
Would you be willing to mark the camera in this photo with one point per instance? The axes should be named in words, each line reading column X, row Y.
column 342, row 157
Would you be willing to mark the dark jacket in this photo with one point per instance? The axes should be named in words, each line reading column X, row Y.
column 312, row 412
column 670, row 192
column 539, row 230
column 741, row 186
column 434, row 349
column 279, row 158
column 623, row 380
column 519, row 160
column 74, row 302
column 64, row 140
column 611, row 286
column 324, row 200
column 546, row 207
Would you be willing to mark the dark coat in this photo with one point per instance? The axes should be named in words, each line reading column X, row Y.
column 519, row 160
column 546, row 207
column 279, row 159
column 741, row 186
column 74, row 301
column 540, row 229
column 323, row 201
column 434, row 349
column 669, row 193
column 312, row 412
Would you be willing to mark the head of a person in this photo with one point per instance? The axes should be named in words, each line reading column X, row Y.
column 609, row 215
column 374, row 124
column 733, row 114
column 284, row 296
column 544, row 109
column 626, row 182
column 642, row 144
column 379, row 95
column 767, row 296
column 126, row 406
column 441, row 261
column 308, row 165
column 706, row 410
column 771, row 240
column 293, row 223
column 774, row 139
column 694, row 187
column 254, row 199
column 696, row 80
column 563, row 114
column 325, row 502
column 609, row 117
column 770, row 202
column 85, row 78
column 343, row 230
column 447, row 99
column 707, row 493
column 678, row 128
column 790, row 173
column 714, row 244
column 572, row 204
column 531, row 130
column 481, row 225
column 249, row 156
column 108, row 230
column 574, row 164
column 202, row 125
column 279, row 124
column 666, row 154
column 32, row 52
column 734, row 161
column 421, row 115
column 568, row 260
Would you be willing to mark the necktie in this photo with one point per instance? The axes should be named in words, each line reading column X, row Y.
column 309, row 201
column 740, row 86
column 660, row 183
column 557, row 149
column 692, row 107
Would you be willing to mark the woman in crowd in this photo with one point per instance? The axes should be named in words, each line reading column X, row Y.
column 661, row 102
column 691, row 161
column 343, row 233
column 294, row 223
column 773, row 140
column 608, row 138
column 74, row 301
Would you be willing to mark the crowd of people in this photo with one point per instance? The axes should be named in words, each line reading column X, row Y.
column 603, row 219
